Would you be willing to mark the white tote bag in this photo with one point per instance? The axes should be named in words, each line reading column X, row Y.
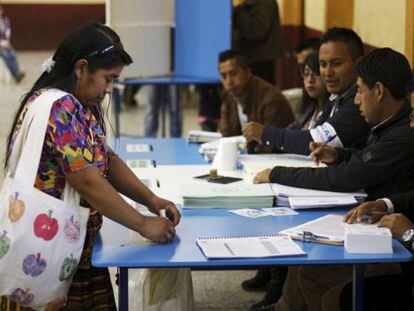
column 41, row 237
column 165, row 289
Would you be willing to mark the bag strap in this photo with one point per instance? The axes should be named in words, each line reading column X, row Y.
column 27, row 149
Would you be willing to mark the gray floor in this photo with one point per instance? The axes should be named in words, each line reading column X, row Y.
column 212, row 290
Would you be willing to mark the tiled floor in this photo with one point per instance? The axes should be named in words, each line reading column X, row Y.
column 216, row 291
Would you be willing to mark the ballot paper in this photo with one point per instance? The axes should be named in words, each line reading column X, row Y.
column 249, row 212
column 138, row 148
column 139, row 163
column 280, row 211
column 367, row 239
column 267, row 211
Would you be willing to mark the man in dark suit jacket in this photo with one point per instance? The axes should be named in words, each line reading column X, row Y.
column 340, row 51
column 384, row 167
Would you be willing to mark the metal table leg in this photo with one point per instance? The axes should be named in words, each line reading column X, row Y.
column 358, row 288
column 123, row 289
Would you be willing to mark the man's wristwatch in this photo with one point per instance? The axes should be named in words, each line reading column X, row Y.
column 408, row 238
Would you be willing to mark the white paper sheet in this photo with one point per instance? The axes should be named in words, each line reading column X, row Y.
column 249, row 247
column 138, row 148
column 318, row 202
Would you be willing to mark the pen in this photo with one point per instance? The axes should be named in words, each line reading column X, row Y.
column 308, row 236
column 377, row 213
column 324, row 144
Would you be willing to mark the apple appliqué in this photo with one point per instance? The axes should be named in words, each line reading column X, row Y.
column 34, row 265
column 45, row 226
column 4, row 244
column 72, row 230
column 16, row 207
column 68, row 268
column 22, row 296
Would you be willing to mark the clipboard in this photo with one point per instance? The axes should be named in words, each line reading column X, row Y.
column 307, row 232
column 309, row 237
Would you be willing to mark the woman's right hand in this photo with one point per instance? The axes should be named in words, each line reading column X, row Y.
column 157, row 229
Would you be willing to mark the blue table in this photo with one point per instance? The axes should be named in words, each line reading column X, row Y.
column 165, row 151
column 112, row 248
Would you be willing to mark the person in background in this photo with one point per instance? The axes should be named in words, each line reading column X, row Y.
column 7, row 51
column 308, row 46
column 340, row 51
column 401, row 223
column 75, row 151
column 385, row 167
column 209, row 108
column 314, row 98
column 248, row 98
column 157, row 99
column 256, row 33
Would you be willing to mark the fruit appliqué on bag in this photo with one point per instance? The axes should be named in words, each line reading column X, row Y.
column 45, row 226
column 72, row 230
column 68, row 269
column 22, row 296
column 34, row 265
column 4, row 244
column 16, row 207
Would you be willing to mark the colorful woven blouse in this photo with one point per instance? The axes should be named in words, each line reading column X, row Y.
column 74, row 140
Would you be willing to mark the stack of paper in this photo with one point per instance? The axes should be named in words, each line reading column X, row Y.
column 235, row 195
column 364, row 239
column 301, row 198
column 254, row 163
column 202, row 136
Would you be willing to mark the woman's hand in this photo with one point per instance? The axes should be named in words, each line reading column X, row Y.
column 157, row 204
column 157, row 229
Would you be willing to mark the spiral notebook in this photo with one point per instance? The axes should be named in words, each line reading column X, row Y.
column 249, row 246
